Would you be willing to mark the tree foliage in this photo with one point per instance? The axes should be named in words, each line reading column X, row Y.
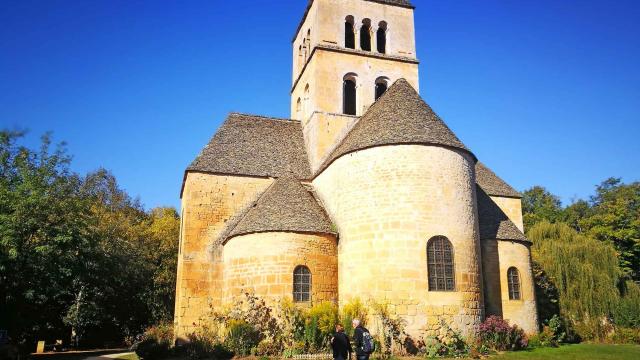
column 77, row 254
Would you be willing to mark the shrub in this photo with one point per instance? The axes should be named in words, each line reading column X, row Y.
column 292, row 320
column 449, row 343
column 242, row 337
column 625, row 336
column 354, row 309
column 496, row 334
column 151, row 349
column 320, row 324
column 392, row 329
column 205, row 343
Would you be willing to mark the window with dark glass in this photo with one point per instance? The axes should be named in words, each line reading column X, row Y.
column 381, row 87
column 365, row 35
column 513, row 279
column 349, row 97
column 349, row 33
column 381, row 37
column 301, row 284
column 440, row 264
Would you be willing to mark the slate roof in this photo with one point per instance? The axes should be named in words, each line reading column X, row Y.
column 256, row 146
column 494, row 223
column 492, row 184
column 285, row 206
column 399, row 116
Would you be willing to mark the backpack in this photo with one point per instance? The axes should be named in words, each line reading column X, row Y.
column 368, row 346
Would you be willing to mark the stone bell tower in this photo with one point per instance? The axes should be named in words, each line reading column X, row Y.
column 345, row 55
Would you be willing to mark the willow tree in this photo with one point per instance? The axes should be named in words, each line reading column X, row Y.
column 584, row 270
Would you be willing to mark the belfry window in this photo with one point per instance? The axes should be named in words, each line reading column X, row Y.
column 513, row 280
column 349, row 33
column 381, row 86
column 440, row 265
column 381, row 37
column 365, row 35
column 349, row 95
column 301, row 284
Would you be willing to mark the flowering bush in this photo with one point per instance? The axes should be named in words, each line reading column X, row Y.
column 496, row 334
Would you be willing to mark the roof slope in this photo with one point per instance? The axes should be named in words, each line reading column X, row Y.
column 257, row 146
column 492, row 184
column 494, row 223
column 400, row 116
column 285, row 206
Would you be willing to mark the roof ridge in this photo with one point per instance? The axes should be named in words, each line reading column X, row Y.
column 262, row 117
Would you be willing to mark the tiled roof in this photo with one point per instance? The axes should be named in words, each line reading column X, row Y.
column 492, row 184
column 286, row 206
column 256, row 146
column 400, row 116
column 494, row 223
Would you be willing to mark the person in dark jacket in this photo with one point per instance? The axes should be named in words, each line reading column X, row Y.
column 340, row 344
column 358, row 334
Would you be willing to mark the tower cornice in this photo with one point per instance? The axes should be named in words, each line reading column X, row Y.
column 338, row 49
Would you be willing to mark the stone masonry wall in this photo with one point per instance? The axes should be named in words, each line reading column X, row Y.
column 512, row 207
column 263, row 263
column 208, row 202
column 387, row 202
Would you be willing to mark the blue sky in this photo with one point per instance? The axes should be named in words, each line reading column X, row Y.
column 544, row 92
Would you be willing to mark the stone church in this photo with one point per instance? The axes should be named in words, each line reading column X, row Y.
column 364, row 193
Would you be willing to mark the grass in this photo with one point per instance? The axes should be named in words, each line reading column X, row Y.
column 128, row 357
column 578, row 351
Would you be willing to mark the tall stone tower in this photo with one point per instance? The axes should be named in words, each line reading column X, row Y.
column 345, row 55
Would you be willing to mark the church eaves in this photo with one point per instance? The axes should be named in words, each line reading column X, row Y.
column 286, row 206
column 492, row 184
column 255, row 146
column 493, row 222
column 399, row 116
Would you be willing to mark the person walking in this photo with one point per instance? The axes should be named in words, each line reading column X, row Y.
column 362, row 340
column 340, row 344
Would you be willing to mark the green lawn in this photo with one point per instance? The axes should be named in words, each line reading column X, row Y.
column 578, row 351
column 128, row 357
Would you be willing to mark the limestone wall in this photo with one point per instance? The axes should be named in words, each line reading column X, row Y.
column 325, row 24
column 387, row 202
column 512, row 207
column 497, row 257
column 322, row 132
column 208, row 201
column 263, row 263
column 325, row 74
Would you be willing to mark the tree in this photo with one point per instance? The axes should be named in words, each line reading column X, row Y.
column 538, row 204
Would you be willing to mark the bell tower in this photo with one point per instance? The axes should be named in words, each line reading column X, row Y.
column 345, row 55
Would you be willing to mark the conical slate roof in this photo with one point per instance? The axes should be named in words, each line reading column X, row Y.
column 285, row 206
column 400, row 116
column 492, row 184
column 257, row 146
column 494, row 223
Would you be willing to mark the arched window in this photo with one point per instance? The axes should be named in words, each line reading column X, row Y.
column 301, row 284
column 365, row 35
column 349, row 33
column 381, row 86
column 440, row 265
column 349, row 94
column 298, row 108
column 513, row 279
column 305, row 101
column 381, row 37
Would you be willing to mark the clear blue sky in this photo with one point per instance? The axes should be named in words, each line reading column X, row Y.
column 545, row 92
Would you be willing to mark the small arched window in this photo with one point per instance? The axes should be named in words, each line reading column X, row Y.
column 440, row 265
column 301, row 284
column 381, row 37
column 365, row 35
column 305, row 101
column 349, row 33
column 349, row 94
column 513, row 279
column 298, row 107
column 381, row 86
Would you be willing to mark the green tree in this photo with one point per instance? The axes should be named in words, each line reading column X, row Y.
column 539, row 204
column 614, row 218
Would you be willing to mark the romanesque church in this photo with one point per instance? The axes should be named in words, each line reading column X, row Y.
column 363, row 193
